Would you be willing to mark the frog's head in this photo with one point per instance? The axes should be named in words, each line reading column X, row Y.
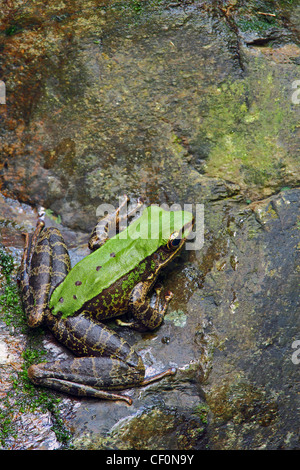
column 179, row 225
column 182, row 222
column 170, row 229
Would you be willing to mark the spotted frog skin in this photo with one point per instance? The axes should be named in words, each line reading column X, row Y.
column 115, row 278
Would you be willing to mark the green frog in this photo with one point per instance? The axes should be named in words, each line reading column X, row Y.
column 115, row 278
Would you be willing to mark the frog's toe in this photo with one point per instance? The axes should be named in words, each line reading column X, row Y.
column 158, row 288
column 124, row 323
column 159, row 376
column 169, row 295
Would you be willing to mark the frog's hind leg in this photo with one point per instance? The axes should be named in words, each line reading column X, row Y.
column 107, row 362
column 82, row 377
column 45, row 263
column 27, row 293
column 109, row 225
column 95, row 377
column 85, row 336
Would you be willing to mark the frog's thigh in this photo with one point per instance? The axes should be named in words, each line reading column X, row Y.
column 39, row 279
column 87, row 376
column 46, row 265
column 87, row 337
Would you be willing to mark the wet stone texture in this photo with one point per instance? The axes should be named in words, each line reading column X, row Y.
column 178, row 102
column 254, row 302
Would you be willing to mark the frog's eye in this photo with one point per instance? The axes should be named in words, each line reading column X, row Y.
column 174, row 241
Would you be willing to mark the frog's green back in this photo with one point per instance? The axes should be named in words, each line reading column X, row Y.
column 117, row 257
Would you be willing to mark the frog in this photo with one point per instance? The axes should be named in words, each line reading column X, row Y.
column 118, row 277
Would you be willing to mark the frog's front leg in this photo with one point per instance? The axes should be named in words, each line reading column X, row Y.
column 145, row 316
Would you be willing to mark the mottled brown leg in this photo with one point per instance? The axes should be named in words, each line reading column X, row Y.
column 45, row 264
column 109, row 225
column 106, row 227
column 145, row 316
column 109, row 362
column 84, row 377
column 80, row 390
column 85, row 336
column 27, row 294
column 90, row 376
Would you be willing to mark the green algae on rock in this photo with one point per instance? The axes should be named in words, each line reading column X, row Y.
column 247, row 124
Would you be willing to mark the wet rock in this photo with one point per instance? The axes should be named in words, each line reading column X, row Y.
column 156, row 429
column 252, row 387
column 146, row 102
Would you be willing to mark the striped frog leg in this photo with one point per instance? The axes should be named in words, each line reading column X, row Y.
column 107, row 361
column 110, row 224
column 45, row 263
column 26, row 291
column 145, row 316
column 77, row 377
